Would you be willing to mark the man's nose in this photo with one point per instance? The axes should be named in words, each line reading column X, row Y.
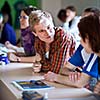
column 48, row 32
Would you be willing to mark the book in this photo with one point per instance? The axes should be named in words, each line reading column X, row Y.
column 26, row 85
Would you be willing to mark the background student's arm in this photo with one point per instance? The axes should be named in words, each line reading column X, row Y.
column 13, row 57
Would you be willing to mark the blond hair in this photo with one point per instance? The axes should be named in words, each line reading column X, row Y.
column 39, row 16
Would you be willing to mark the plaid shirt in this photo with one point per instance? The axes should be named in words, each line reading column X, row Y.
column 61, row 49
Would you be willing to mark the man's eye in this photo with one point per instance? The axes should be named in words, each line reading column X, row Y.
column 41, row 30
column 48, row 27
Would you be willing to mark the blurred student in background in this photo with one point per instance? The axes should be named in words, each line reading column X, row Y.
column 69, row 20
column 6, row 11
column 7, row 32
column 71, row 23
column 62, row 17
column 90, row 11
column 28, row 38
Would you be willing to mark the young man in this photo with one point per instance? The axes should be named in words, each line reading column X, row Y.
column 51, row 43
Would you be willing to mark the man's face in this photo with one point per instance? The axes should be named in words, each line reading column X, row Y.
column 45, row 31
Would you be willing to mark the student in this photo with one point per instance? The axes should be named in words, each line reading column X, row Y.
column 7, row 33
column 71, row 23
column 62, row 17
column 53, row 46
column 27, row 36
column 6, row 11
column 28, row 39
column 88, row 11
column 89, row 42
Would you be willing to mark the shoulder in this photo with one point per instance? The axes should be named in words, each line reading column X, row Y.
column 77, row 19
column 60, row 33
column 80, row 48
column 77, row 55
column 9, row 27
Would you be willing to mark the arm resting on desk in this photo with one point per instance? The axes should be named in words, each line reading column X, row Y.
column 84, row 79
column 31, row 59
column 63, row 79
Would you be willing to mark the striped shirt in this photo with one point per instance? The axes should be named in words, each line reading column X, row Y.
column 61, row 49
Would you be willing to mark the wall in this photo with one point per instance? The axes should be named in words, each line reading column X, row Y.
column 81, row 4
column 54, row 6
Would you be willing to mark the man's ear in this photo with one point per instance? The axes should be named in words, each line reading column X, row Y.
column 34, row 34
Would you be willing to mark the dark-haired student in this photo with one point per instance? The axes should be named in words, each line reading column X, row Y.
column 28, row 39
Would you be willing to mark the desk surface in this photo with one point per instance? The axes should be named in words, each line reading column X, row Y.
column 20, row 71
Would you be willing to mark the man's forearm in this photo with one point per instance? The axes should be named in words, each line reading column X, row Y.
column 79, row 83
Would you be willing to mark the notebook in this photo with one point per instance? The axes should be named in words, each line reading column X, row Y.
column 26, row 85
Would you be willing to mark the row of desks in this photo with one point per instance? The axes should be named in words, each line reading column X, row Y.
column 23, row 71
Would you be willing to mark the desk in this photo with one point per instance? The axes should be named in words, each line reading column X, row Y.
column 18, row 71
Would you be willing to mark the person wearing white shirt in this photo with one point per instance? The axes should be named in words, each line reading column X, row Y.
column 70, row 26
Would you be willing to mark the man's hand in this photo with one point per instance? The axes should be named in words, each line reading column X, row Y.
column 50, row 76
column 37, row 67
column 38, row 57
